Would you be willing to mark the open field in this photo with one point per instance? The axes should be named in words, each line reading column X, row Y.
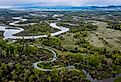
column 105, row 37
column 69, row 42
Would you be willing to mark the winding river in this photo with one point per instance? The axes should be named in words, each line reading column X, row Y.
column 54, row 58
column 10, row 31
column 35, row 65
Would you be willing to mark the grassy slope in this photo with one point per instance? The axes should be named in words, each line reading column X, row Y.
column 69, row 41
column 105, row 37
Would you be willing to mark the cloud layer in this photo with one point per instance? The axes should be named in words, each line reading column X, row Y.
column 59, row 2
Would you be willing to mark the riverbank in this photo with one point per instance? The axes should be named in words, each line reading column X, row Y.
column 10, row 33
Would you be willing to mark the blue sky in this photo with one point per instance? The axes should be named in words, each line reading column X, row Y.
column 8, row 3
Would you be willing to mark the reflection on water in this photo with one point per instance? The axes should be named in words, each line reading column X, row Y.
column 8, row 33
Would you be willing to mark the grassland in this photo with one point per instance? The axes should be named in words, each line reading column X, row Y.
column 105, row 37
column 69, row 42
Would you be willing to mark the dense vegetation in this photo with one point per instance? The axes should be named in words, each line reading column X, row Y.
column 101, row 63
column 118, row 79
column 73, row 48
column 16, row 65
column 37, row 29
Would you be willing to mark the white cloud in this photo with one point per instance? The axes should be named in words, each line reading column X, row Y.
column 59, row 2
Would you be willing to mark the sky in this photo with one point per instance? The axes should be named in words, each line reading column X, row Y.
column 8, row 3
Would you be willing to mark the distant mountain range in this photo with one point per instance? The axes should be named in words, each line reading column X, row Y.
column 110, row 7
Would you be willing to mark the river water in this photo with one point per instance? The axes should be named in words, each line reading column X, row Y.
column 8, row 33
